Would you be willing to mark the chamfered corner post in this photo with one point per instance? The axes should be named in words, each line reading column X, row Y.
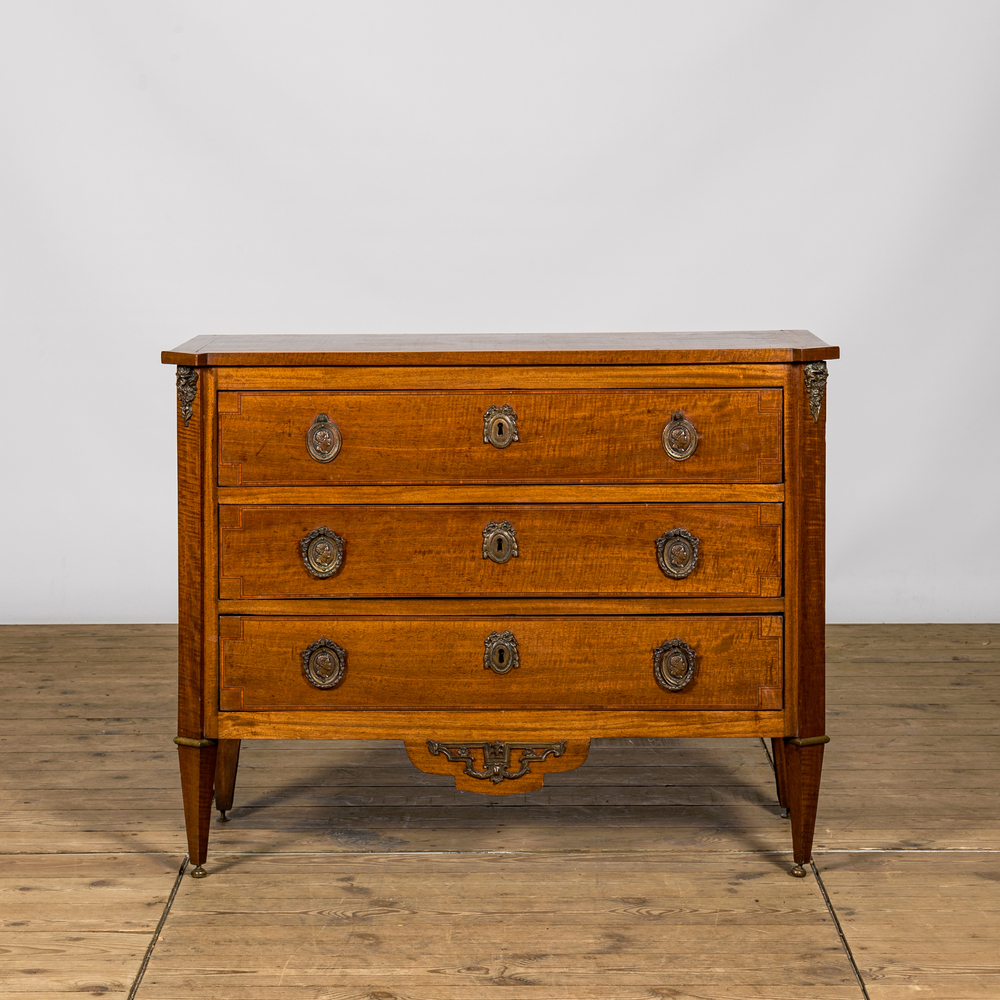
column 799, row 758
column 197, row 750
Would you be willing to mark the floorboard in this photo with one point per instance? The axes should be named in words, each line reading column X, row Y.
column 658, row 869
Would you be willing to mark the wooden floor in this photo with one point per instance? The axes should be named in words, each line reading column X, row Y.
column 657, row 870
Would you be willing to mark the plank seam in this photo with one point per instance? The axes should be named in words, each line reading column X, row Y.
column 156, row 933
column 840, row 931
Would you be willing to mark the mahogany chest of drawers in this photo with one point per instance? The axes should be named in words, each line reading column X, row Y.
column 500, row 547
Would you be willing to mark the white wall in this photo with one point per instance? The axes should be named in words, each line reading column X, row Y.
column 177, row 168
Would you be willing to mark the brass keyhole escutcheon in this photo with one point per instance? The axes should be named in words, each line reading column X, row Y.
column 500, row 654
column 674, row 665
column 322, row 552
column 499, row 541
column 500, row 426
column 679, row 438
column 323, row 439
column 677, row 553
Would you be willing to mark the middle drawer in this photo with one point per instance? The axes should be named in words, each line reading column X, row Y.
column 280, row 552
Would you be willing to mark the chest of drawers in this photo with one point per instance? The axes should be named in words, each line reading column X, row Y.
column 497, row 548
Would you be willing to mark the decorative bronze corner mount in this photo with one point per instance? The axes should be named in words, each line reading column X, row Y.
column 496, row 757
column 187, row 389
column 815, row 376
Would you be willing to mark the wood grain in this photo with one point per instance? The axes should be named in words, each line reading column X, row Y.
column 437, row 551
column 78, row 924
column 533, row 926
column 924, row 925
column 478, row 377
column 428, row 437
column 519, row 493
column 736, row 347
column 426, row 663
column 87, row 766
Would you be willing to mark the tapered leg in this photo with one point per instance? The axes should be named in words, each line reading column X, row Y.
column 197, row 778
column 778, row 752
column 803, row 766
column 225, row 776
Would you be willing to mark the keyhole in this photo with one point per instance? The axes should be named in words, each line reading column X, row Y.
column 500, row 429
column 500, row 545
column 500, row 656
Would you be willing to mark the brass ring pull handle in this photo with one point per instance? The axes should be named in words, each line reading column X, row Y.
column 324, row 664
column 677, row 553
column 679, row 437
column 322, row 552
column 323, row 439
column 499, row 541
column 500, row 426
column 674, row 665
column 500, row 654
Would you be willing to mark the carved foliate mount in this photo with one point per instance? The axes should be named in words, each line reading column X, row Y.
column 677, row 553
column 674, row 665
column 500, row 654
column 500, row 426
column 322, row 552
column 324, row 664
column 496, row 757
column 816, row 375
column 187, row 389
column 499, row 541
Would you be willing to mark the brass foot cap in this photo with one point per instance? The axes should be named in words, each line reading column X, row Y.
column 223, row 818
column 786, row 813
column 199, row 872
column 798, row 872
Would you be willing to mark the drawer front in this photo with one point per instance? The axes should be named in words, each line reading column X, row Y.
column 442, row 663
column 287, row 552
column 273, row 438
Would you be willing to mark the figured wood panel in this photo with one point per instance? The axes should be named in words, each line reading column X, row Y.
column 731, row 347
column 565, row 550
column 446, row 607
column 502, row 377
column 579, row 437
column 427, row 663
column 387, row 493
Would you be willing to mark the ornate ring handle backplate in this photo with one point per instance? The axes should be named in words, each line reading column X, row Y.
column 500, row 426
column 679, row 437
column 324, row 664
column 323, row 439
column 677, row 553
column 500, row 654
column 674, row 665
column 322, row 552
column 499, row 541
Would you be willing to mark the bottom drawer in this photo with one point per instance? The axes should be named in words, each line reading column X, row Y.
column 705, row 663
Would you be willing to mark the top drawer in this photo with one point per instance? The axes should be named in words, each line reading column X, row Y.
column 715, row 435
